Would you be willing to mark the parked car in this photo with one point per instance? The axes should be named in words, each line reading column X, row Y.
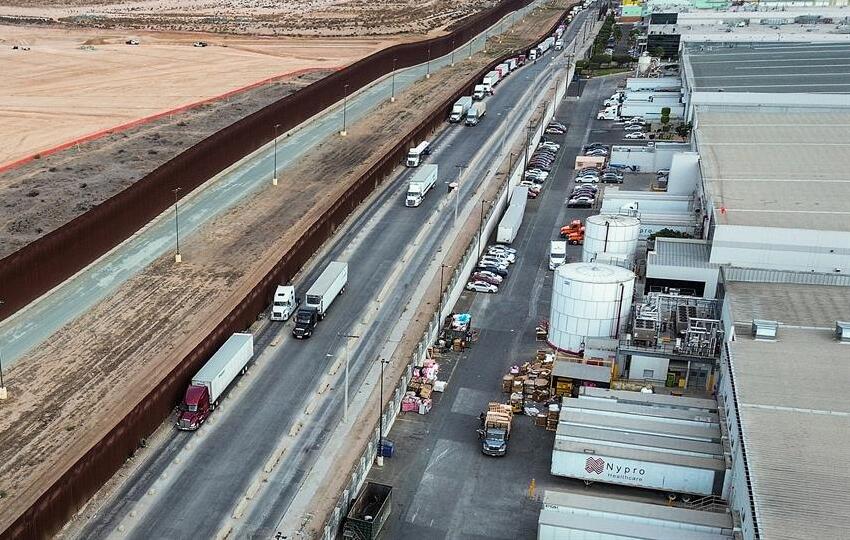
column 489, row 260
column 591, row 146
column 532, row 186
column 635, row 135
column 635, row 120
column 611, row 178
column 586, row 188
column 200, row 44
column 555, row 131
column 553, row 123
column 633, row 127
column 488, row 277
column 132, row 42
column 510, row 257
column 496, row 270
column 549, row 145
column 582, row 201
column 597, row 152
column 482, row 286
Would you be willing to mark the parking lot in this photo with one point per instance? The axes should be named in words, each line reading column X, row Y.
column 443, row 486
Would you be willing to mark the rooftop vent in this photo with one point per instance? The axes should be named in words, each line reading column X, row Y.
column 842, row 331
column 765, row 330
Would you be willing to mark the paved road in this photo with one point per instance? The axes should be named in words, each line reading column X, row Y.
column 28, row 328
column 443, row 487
column 199, row 493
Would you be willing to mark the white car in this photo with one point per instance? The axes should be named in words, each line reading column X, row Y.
column 549, row 145
column 510, row 257
column 502, row 248
column 481, row 286
column 635, row 135
column 531, row 185
column 635, row 120
column 633, row 127
column 536, row 174
column 490, row 260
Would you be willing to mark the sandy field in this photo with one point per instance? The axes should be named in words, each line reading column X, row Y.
column 72, row 83
column 70, row 391
column 258, row 17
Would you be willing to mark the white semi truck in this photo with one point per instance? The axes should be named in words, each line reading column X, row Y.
column 512, row 220
column 420, row 184
column 415, row 154
column 557, row 254
column 476, row 113
column 284, row 303
column 459, row 109
column 480, row 92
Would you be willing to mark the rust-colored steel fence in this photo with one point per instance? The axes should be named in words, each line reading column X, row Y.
column 58, row 255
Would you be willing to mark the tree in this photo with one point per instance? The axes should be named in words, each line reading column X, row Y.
column 669, row 233
column 665, row 118
column 683, row 130
column 658, row 52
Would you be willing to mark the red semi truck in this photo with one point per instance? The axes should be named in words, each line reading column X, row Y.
column 212, row 380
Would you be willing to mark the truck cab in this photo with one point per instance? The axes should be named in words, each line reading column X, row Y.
column 557, row 254
column 283, row 303
column 480, row 92
column 305, row 321
column 195, row 408
column 475, row 113
column 415, row 154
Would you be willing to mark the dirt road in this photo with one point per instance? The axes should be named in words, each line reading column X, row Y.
column 73, row 389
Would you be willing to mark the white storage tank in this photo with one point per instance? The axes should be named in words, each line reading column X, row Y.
column 589, row 300
column 611, row 239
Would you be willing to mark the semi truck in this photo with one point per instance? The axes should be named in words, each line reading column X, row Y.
column 503, row 70
column 420, row 184
column 476, row 113
column 459, row 109
column 319, row 298
column 512, row 63
column 212, row 380
column 495, row 429
column 480, row 92
column 416, row 154
column 512, row 220
column 557, row 254
column 284, row 303
column 492, row 79
column 368, row 513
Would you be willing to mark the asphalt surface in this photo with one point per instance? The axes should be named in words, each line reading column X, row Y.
column 443, row 486
column 38, row 321
column 196, row 496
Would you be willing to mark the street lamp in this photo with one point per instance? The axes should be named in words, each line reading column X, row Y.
column 392, row 91
column 481, row 224
column 347, row 337
column 453, row 53
column 381, row 417
column 471, row 41
column 3, row 393
column 460, row 169
column 428, row 65
column 274, row 173
column 344, row 110
column 177, row 257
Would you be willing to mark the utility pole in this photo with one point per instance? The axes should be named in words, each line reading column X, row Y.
column 344, row 110
column 470, row 48
column 428, row 65
column 274, row 173
column 347, row 361
column 177, row 257
column 3, row 393
column 453, row 52
column 381, row 417
column 392, row 92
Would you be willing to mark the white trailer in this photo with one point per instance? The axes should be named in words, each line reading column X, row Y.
column 414, row 155
column 420, row 184
column 512, row 220
column 490, row 81
column 480, row 92
column 225, row 365
column 324, row 290
column 284, row 303
column 512, row 63
column 594, row 462
column 459, row 109
column 476, row 113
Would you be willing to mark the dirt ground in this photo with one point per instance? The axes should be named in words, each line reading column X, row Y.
column 258, row 17
column 75, row 82
column 44, row 194
column 69, row 392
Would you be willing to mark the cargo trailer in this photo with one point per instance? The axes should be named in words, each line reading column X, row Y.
column 512, row 220
column 420, row 184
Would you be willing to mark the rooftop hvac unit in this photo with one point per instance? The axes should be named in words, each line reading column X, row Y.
column 842, row 331
column 765, row 330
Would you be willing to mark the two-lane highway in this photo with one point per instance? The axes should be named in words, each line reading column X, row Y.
column 189, row 486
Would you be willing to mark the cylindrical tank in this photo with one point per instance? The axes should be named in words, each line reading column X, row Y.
column 611, row 239
column 589, row 300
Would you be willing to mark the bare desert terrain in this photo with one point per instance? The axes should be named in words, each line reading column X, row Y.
column 263, row 17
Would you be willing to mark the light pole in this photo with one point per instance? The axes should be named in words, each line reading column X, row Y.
column 453, row 53
column 471, row 41
column 3, row 393
column 481, row 224
column 460, row 169
column 347, row 337
column 344, row 110
column 428, row 65
column 177, row 257
column 274, row 173
column 392, row 91
column 381, row 417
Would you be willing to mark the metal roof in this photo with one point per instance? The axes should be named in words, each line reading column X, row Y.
column 788, row 303
column 639, row 440
column 697, row 432
column 773, row 168
column 619, row 508
column 585, row 372
column 223, row 356
column 772, row 68
column 650, row 456
column 681, row 252
column 610, row 527
column 793, row 407
column 657, row 400
column 635, row 410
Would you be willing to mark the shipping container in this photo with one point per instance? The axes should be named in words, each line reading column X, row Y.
column 512, row 220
